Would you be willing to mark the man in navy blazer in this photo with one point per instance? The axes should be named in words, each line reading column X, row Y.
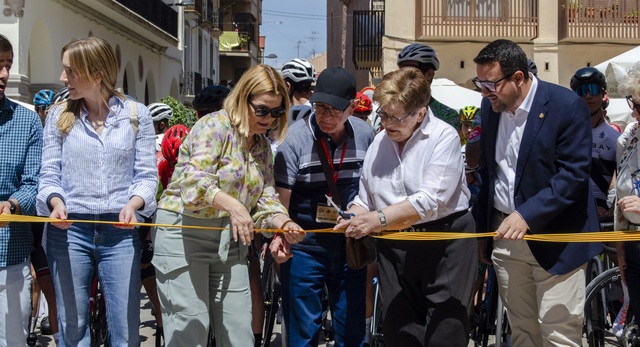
column 535, row 160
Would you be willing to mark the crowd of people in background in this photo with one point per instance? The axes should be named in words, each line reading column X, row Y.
column 275, row 151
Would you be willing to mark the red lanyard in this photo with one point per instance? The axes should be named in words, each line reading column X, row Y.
column 326, row 152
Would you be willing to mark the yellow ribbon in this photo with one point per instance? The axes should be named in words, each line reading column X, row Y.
column 605, row 236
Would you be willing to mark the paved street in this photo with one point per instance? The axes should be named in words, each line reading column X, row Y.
column 147, row 330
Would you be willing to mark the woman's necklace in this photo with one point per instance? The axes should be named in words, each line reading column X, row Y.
column 97, row 124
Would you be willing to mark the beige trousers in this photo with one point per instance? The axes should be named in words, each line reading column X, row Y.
column 543, row 309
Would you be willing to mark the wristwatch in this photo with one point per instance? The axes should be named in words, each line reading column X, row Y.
column 12, row 207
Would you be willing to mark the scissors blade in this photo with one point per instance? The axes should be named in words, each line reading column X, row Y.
column 333, row 203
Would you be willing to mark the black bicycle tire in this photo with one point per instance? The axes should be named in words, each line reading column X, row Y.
column 271, row 295
column 99, row 333
column 595, row 336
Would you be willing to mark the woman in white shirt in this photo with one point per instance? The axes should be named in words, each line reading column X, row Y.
column 627, row 208
column 98, row 164
column 413, row 180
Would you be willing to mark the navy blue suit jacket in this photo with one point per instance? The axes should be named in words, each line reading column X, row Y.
column 552, row 191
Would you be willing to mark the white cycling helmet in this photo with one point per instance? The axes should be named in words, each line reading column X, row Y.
column 160, row 111
column 420, row 53
column 298, row 70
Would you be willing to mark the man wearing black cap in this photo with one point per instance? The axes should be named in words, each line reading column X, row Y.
column 341, row 141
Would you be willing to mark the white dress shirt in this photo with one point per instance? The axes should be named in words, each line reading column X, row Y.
column 510, row 132
column 429, row 173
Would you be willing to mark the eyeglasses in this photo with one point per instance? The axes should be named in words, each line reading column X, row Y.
column 635, row 180
column 40, row 108
column 490, row 85
column 632, row 104
column 323, row 109
column 384, row 117
column 590, row 88
column 263, row 111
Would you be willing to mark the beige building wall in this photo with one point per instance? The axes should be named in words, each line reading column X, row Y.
column 556, row 60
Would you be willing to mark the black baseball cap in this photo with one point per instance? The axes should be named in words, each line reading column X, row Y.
column 335, row 86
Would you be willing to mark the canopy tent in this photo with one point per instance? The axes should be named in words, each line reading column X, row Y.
column 453, row 95
column 616, row 68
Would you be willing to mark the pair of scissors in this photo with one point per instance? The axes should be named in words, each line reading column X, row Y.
column 340, row 212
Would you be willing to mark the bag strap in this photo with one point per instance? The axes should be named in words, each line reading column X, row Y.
column 328, row 173
column 133, row 117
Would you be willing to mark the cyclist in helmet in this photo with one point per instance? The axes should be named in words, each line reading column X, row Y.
column 210, row 99
column 299, row 75
column 170, row 146
column 160, row 114
column 533, row 68
column 364, row 107
column 39, row 264
column 590, row 84
column 41, row 101
column 424, row 58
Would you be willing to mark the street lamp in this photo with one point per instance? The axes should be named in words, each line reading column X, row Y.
column 273, row 56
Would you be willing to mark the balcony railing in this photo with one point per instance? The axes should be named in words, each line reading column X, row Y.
column 368, row 29
column 193, row 83
column 600, row 19
column 452, row 19
column 156, row 12
column 197, row 7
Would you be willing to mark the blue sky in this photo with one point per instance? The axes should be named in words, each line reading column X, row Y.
column 285, row 22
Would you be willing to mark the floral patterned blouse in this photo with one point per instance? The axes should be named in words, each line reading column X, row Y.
column 213, row 158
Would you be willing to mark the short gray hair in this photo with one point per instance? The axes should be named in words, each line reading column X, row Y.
column 631, row 84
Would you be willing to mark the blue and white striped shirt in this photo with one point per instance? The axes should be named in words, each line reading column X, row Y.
column 98, row 174
column 20, row 150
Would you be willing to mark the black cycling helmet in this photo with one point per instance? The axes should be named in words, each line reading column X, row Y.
column 210, row 98
column 61, row 95
column 421, row 53
column 588, row 75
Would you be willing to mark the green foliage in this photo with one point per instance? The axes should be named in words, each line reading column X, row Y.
column 181, row 113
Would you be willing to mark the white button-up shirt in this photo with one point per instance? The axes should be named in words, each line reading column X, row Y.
column 429, row 172
column 510, row 132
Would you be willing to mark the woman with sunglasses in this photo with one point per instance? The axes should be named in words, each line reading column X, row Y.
column 223, row 184
column 627, row 207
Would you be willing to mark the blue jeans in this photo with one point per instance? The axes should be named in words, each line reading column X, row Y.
column 303, row 278
column 74, row 256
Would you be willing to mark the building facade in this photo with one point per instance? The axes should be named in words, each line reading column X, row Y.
column 559, row 35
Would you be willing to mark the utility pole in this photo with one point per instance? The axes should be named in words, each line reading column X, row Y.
column 298, row 44
column 313, row 39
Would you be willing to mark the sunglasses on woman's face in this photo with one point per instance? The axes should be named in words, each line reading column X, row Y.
column 263, row 111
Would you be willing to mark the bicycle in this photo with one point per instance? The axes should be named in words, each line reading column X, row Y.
column 377, row 336
column 271, row 295
column 602, row 304
column 490, row 317
column 97, row 315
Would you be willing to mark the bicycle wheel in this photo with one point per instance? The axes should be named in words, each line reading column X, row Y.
column 271, row 295
column 600, row 309
column 97, row 316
